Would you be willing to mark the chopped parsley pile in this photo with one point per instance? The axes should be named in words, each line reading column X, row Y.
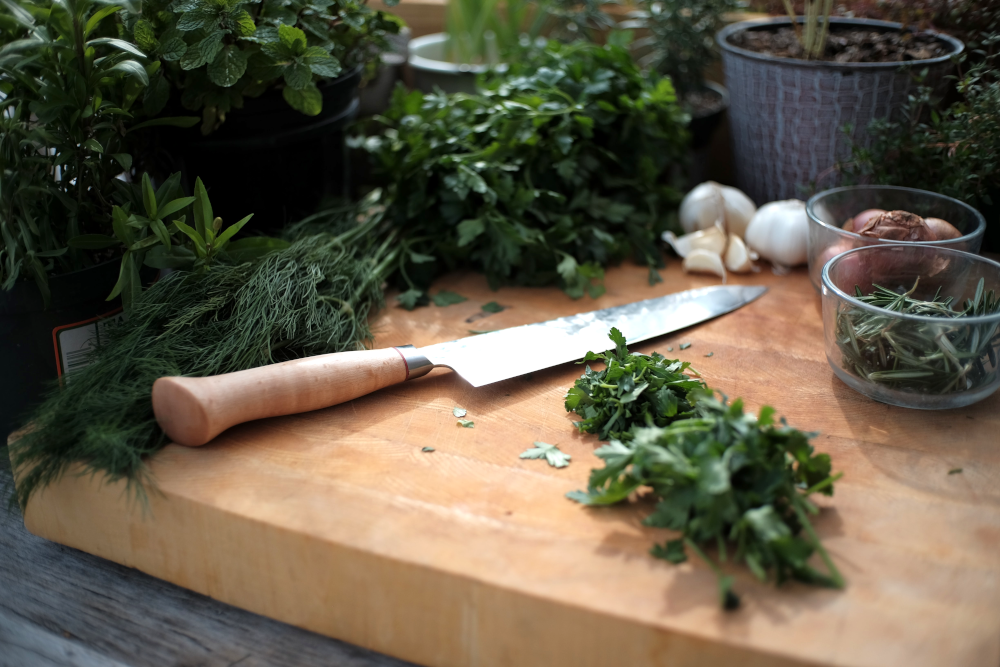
column 723, row 479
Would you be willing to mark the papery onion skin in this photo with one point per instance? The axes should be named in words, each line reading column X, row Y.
column 858, row 222
column 898, row 226
column 942, row 229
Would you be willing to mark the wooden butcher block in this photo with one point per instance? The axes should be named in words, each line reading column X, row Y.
column 469, row 556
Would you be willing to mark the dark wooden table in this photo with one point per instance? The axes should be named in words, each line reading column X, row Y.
column 60, row 607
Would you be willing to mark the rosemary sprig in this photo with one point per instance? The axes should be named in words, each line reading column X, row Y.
column 933, row 357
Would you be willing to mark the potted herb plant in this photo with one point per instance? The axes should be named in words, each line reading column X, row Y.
column 795, row 82
column 679, row 41
column 70, row 88
column 481, row 33
column 948, row 145
column 274, row 82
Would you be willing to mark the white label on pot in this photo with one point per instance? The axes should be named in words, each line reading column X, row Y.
column 74, row 342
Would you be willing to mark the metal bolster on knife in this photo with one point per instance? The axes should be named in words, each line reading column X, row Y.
column 417, row 365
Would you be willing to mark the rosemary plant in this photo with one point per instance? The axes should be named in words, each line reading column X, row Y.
column 313, row 298
column 921, row 355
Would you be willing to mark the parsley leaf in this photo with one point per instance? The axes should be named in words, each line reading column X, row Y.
column 459, row 412
column 427, row 449
column 465, row 423
column 550, row 453
column 493, row 307
column 446, row 298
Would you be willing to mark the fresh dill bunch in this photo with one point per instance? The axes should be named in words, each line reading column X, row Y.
column 314, row 297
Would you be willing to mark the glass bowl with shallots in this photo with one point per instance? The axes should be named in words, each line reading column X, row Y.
column 845, row 218
column 913, row 325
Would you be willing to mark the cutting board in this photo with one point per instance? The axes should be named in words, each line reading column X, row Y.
column 336, row 521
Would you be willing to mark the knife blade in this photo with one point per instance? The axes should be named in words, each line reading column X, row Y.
column 192, row 411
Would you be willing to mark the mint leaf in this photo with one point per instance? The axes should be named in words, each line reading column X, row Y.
column 202, row 52
column 292, row 38
column 308, row 100
column 459, row 412
column 465, row 423
column 493, row 307
column 298, row 76
column 228, row 66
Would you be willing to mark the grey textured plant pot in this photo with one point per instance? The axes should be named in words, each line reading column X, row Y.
column 786, row 114
column 431, row 68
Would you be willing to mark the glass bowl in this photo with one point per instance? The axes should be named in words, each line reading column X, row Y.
column 913, row 360
column 830, row 209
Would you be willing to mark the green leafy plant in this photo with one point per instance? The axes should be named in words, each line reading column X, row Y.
column 69, row 88
column 491, row 31
column 724, row 479
column 552, row 172
column 151, row 225
column 953, row 149
column 481, row 31
column 218, row 52
column 313, row 297
column 632, row 390
column 680, row 38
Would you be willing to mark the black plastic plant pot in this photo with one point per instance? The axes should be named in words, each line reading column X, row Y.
column 270, row 160
column 703, row 125
column 786, row 114
column 42, row 344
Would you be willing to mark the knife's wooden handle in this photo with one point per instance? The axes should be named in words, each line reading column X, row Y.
column 192, row 411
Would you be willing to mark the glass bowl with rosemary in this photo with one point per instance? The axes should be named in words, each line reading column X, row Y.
column 913, row 325
column 845, row 218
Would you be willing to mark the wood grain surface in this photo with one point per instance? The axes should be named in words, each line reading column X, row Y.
column 336, row 521
column 60, row 607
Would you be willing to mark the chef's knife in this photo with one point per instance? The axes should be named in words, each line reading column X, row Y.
column 192, row 411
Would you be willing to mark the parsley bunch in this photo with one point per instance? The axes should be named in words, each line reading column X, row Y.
column 550, row 173
column 634, row 390
column 723, row 479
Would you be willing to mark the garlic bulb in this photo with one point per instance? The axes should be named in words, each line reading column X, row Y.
column 712, row 239
column 737, row 258
column 710, row 203
column 779, row 231
column 704, row 261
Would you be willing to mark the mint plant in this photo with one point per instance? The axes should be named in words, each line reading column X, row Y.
column 219, row 52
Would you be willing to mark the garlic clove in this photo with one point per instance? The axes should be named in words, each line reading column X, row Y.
column 702, row 208
column 712, row 239
column 739, row 210
column 704, row 261
column 710, row 203
column 737, row 257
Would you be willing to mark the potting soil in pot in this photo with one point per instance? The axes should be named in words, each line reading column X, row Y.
column 850, row 45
